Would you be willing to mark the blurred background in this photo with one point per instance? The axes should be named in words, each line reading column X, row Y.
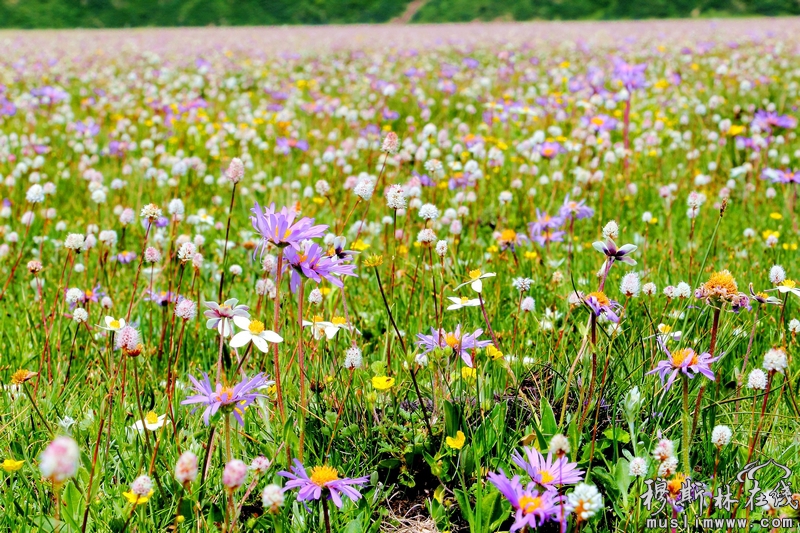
column 134, row 13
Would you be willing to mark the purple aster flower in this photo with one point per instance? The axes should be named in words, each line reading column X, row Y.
column 313, row 264
column 231, row 400
column 220, row 316
column 532, row 507
column 631, row 76
column 599, row 123
column 461, row 343
column 545, row 471
column 281, row 227
column 324, row 480
column 162, row 298
column 602, row 305
column 544, row 222
column 780, row 176
column 93, row 295
column 124, row 257
column 550, row 149
column 683, row 361
column 609, row 248
column 572, row 210
column 766, row 120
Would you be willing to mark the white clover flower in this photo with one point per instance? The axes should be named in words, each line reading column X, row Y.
column 584, row 502
column 638, row 467
column 74, row 241
column 721, row 436
column 611, row 231
column 668, row 467
column 777, row 275
column 757, row 380
column 80, row 315
column 353, row 358
column 441, row 248
column 630, row 285
column 559, row 445
column 428, row 212
column 272, row 498
column 775, row 360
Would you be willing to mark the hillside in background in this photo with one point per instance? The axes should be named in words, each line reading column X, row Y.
column 133, row 13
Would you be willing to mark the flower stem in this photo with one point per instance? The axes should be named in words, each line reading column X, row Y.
column 325, row 515
column 686, row 436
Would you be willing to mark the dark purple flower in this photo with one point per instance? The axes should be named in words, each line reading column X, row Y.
column 609, row 248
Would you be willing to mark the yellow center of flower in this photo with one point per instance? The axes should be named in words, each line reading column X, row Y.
column 225, row 394
column 151, row 418
column 451, row 340
column 338, row 321
column 680, row 356
column 114, row 324
column 474, row 274
column 548, row 151
column 721, row 282
column 674, row 485
column 464, row 300
column 529, row 504
column 88, row 294
column 597, row 121
column 256, row 327
column 664, row 328
column 508, row 235
column 762, row 295
column 789, row 283
column 20, row 376
column 601, row 298
column 547, row 477
column 322, row 475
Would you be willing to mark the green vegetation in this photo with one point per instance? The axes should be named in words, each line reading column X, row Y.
column 130, row 13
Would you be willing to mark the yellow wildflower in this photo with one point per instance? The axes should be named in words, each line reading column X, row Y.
column 382, row 382
column 456, row 442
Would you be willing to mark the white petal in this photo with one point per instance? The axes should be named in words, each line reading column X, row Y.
column 240, row 339
column 260, row 343
column 271, row 336
column 477, row 285
column 241, row 322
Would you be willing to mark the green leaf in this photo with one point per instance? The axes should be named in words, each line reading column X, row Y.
column 463, row 503
column 617, row 434
column 549, row 424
